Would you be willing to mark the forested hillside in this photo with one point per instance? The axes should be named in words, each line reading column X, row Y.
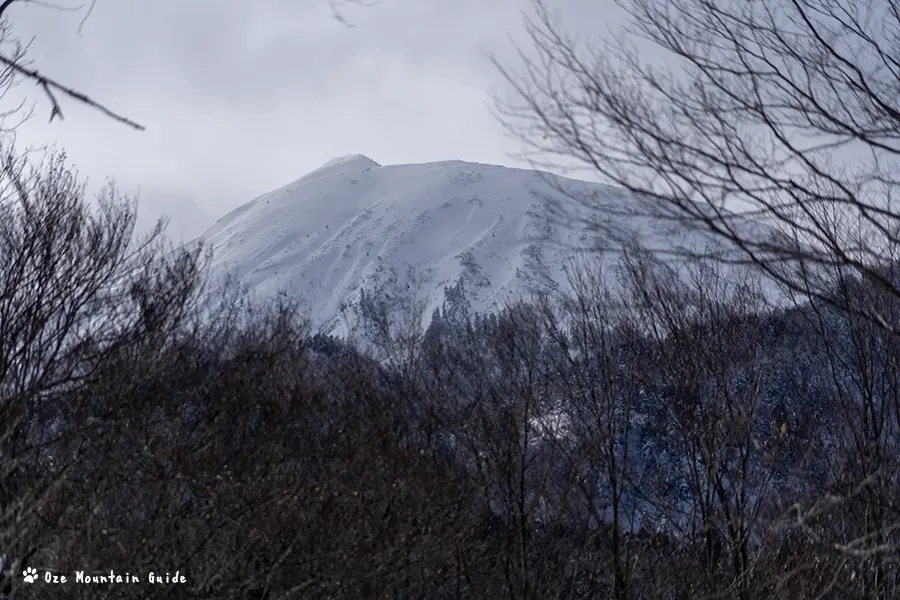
column 665, row 437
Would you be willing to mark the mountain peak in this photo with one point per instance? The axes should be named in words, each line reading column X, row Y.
column 410, row 232
column 350, row 161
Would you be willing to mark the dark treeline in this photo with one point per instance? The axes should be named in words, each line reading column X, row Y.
column 669, row 436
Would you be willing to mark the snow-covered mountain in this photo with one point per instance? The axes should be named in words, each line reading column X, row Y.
column 353, row 224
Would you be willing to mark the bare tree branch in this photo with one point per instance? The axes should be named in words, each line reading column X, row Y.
column 782, row 111
column 49, row 85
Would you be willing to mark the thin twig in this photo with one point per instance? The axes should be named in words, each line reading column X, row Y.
column 87, row 15
column 49, row 85
column 4, row 6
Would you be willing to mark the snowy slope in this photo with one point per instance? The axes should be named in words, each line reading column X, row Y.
column 354, row 224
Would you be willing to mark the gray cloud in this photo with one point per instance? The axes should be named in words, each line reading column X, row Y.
column 242, row 97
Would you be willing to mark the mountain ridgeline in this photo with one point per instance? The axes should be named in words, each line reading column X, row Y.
column 408, row 232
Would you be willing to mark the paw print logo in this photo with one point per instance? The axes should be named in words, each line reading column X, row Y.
column 30, row 575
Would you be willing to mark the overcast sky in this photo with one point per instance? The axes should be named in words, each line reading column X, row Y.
column 242, row 97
